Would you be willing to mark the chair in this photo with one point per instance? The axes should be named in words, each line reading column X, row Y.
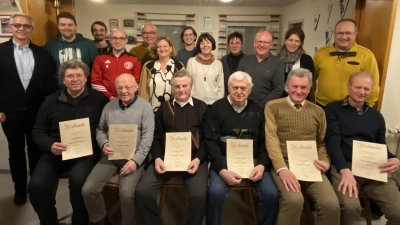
column 309, row 217
column 367, row 208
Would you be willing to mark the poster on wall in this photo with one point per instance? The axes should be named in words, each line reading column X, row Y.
column 206, row 22
column 8, row 6
column 5, row 26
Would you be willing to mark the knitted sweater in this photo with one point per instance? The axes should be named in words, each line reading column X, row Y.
column 142, row 53
column 184, row 55
column 286, row 123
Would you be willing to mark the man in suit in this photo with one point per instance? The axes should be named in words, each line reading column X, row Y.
column 26, row 77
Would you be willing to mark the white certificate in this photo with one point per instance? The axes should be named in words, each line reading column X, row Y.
column 301, row 156
column 239, row 156
column 178, row 151
column 122, row 140
column 366, row 158
column 76, row 135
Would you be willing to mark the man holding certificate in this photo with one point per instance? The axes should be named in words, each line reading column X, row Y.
column 234, row 136
column 73, row 102
column 291, row 124
column 125, row 133
column 350, row 121
column 178, row 141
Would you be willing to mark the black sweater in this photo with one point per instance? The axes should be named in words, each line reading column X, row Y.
column 223, row 120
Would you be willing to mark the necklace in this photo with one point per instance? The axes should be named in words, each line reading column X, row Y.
column 205, row 62
column 204, row 73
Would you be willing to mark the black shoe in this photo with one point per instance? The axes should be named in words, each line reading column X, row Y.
column 20, row 197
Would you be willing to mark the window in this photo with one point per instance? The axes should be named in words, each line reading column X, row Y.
column 172, row 32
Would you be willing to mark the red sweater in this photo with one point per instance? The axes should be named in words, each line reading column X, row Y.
column 106, row 67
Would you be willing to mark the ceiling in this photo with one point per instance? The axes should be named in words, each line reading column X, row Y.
column 270, row 3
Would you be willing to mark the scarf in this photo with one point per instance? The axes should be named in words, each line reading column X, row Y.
column 290, row 58
column 205, row 61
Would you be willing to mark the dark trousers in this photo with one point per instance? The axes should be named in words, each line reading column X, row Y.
column 42, row 182
column 149, row 186
column 17, row 127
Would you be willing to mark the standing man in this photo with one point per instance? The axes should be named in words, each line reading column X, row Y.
column 336, row 62
column 26, row 78
column 353, row 119
column 149, row 34
column 230, row 62
column 75, row 101
column 293, row 118
column 99, row 32
column 128, row 109
column 266, row 70
column 70, row 45
column 237, row 117
column 108, row 66
column 189, row 117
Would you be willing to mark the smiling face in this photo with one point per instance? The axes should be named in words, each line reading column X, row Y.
column 182, row 88
column 239, row 91
column 23, row 33
column 359, row 89
column 99, row 32
column 126, row 87
column 235, row 46
column 189, row 37
column 345, row 35
column 163, row 49
column 118, row 40
column 205, row 46
column 67, row 28
column 149, row 33
column 298, row 89
column 263, row 43
column 293, row 43
column 74, row 80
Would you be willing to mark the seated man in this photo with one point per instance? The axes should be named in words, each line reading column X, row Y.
column 189, row 113
column 128, row 109
column 237, row 117
column 293, row 118
column 352, row 119
column 74, row 101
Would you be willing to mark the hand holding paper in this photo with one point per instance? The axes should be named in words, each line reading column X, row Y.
column 159, row 166
column 193, row 166
column 390, row 166
column 230, row 177
column 57, row 148
column 257, row 173
column 321, row 165
column 107, row 150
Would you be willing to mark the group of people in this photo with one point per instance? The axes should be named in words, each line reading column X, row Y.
column 260, row 97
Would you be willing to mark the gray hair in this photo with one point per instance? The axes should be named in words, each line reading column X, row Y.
column 148, row 24
column 22, row 15
column 73, row 64
column 182, row 73
column 264, row 30
column 240, row 75
column 299, row 72
column 360, row 74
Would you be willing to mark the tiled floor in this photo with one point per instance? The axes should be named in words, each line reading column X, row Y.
column 236, row 211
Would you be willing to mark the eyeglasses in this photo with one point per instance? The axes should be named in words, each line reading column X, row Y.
column 25, row 26
column 73, row 76
column 148, row 33
column 188, row 35
column 345, row 33
column 262, row 42
column 128, row 88
column 236, row 88
column 118, row 38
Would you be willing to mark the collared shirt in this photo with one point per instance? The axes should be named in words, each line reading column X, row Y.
column 235, row 107
column 364, row 108
column 292, row 103
column 123, row 107
column 25, row 63
column 190, row 101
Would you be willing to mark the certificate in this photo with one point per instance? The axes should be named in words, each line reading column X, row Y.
column 178, row 151
column 301, row 155
column 366, row 158
column 76, row 135
column 122, row 140
column 239, row 156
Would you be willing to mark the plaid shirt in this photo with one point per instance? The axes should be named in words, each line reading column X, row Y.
column 345, row 102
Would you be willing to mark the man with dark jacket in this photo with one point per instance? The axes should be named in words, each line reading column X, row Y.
column 75, row 101
column 26, row 77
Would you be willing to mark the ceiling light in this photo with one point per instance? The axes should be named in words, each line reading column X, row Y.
column 226, row 0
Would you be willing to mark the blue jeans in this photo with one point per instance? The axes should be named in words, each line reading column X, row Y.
column 267, row 191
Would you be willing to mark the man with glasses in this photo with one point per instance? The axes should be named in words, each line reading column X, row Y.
column 128, row 109
column 336, row 62
column 149, row 34
column 266, row 70
column 108, row 66
column 75, row 101
column 26, row 78
column 99, row 32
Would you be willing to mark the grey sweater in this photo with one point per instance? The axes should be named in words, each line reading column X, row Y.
column 140, row 113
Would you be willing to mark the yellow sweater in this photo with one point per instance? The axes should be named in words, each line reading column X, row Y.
column 286, row 123
column 142, row 53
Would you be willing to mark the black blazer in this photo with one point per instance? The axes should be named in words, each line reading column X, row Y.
column 13, row 96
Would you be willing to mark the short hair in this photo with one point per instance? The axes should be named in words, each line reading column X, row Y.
column 22, row 15
column 361, row 74
column 182, row 73
column 205, row 36
column 148, row 23
column 240, row 75
column 237, row 35
column 66, row 15
column 348, row 20
column 130, row 78
column 300, row 72
column 299, row 32
column 153, row 47
column 188, row 28
column 98, row 23
column 73, row 64
column 264, row 30
column 118, row 29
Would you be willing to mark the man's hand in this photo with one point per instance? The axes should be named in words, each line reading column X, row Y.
column 348, row 183
column 2, row 117
column 230, row 177
column 57, row 148
column 390, row 166
column 159, row 166
column 257, row 173
column 107, row 150
column 112, row 98
column 289, row 180
column 193, row 166
column 129, row 168
column 321, row 165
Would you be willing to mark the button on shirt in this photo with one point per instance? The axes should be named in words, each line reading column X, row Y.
column 25, row 62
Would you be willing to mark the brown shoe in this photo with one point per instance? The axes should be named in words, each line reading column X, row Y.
column 104, row 221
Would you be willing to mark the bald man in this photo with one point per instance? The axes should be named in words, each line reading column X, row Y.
column 149, row 34
column 109, row 65
column 127, row 109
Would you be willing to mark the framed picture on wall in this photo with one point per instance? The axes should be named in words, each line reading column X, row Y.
column 129, row 23
column 5, row 26
column 296, row 23
column 113, row 24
